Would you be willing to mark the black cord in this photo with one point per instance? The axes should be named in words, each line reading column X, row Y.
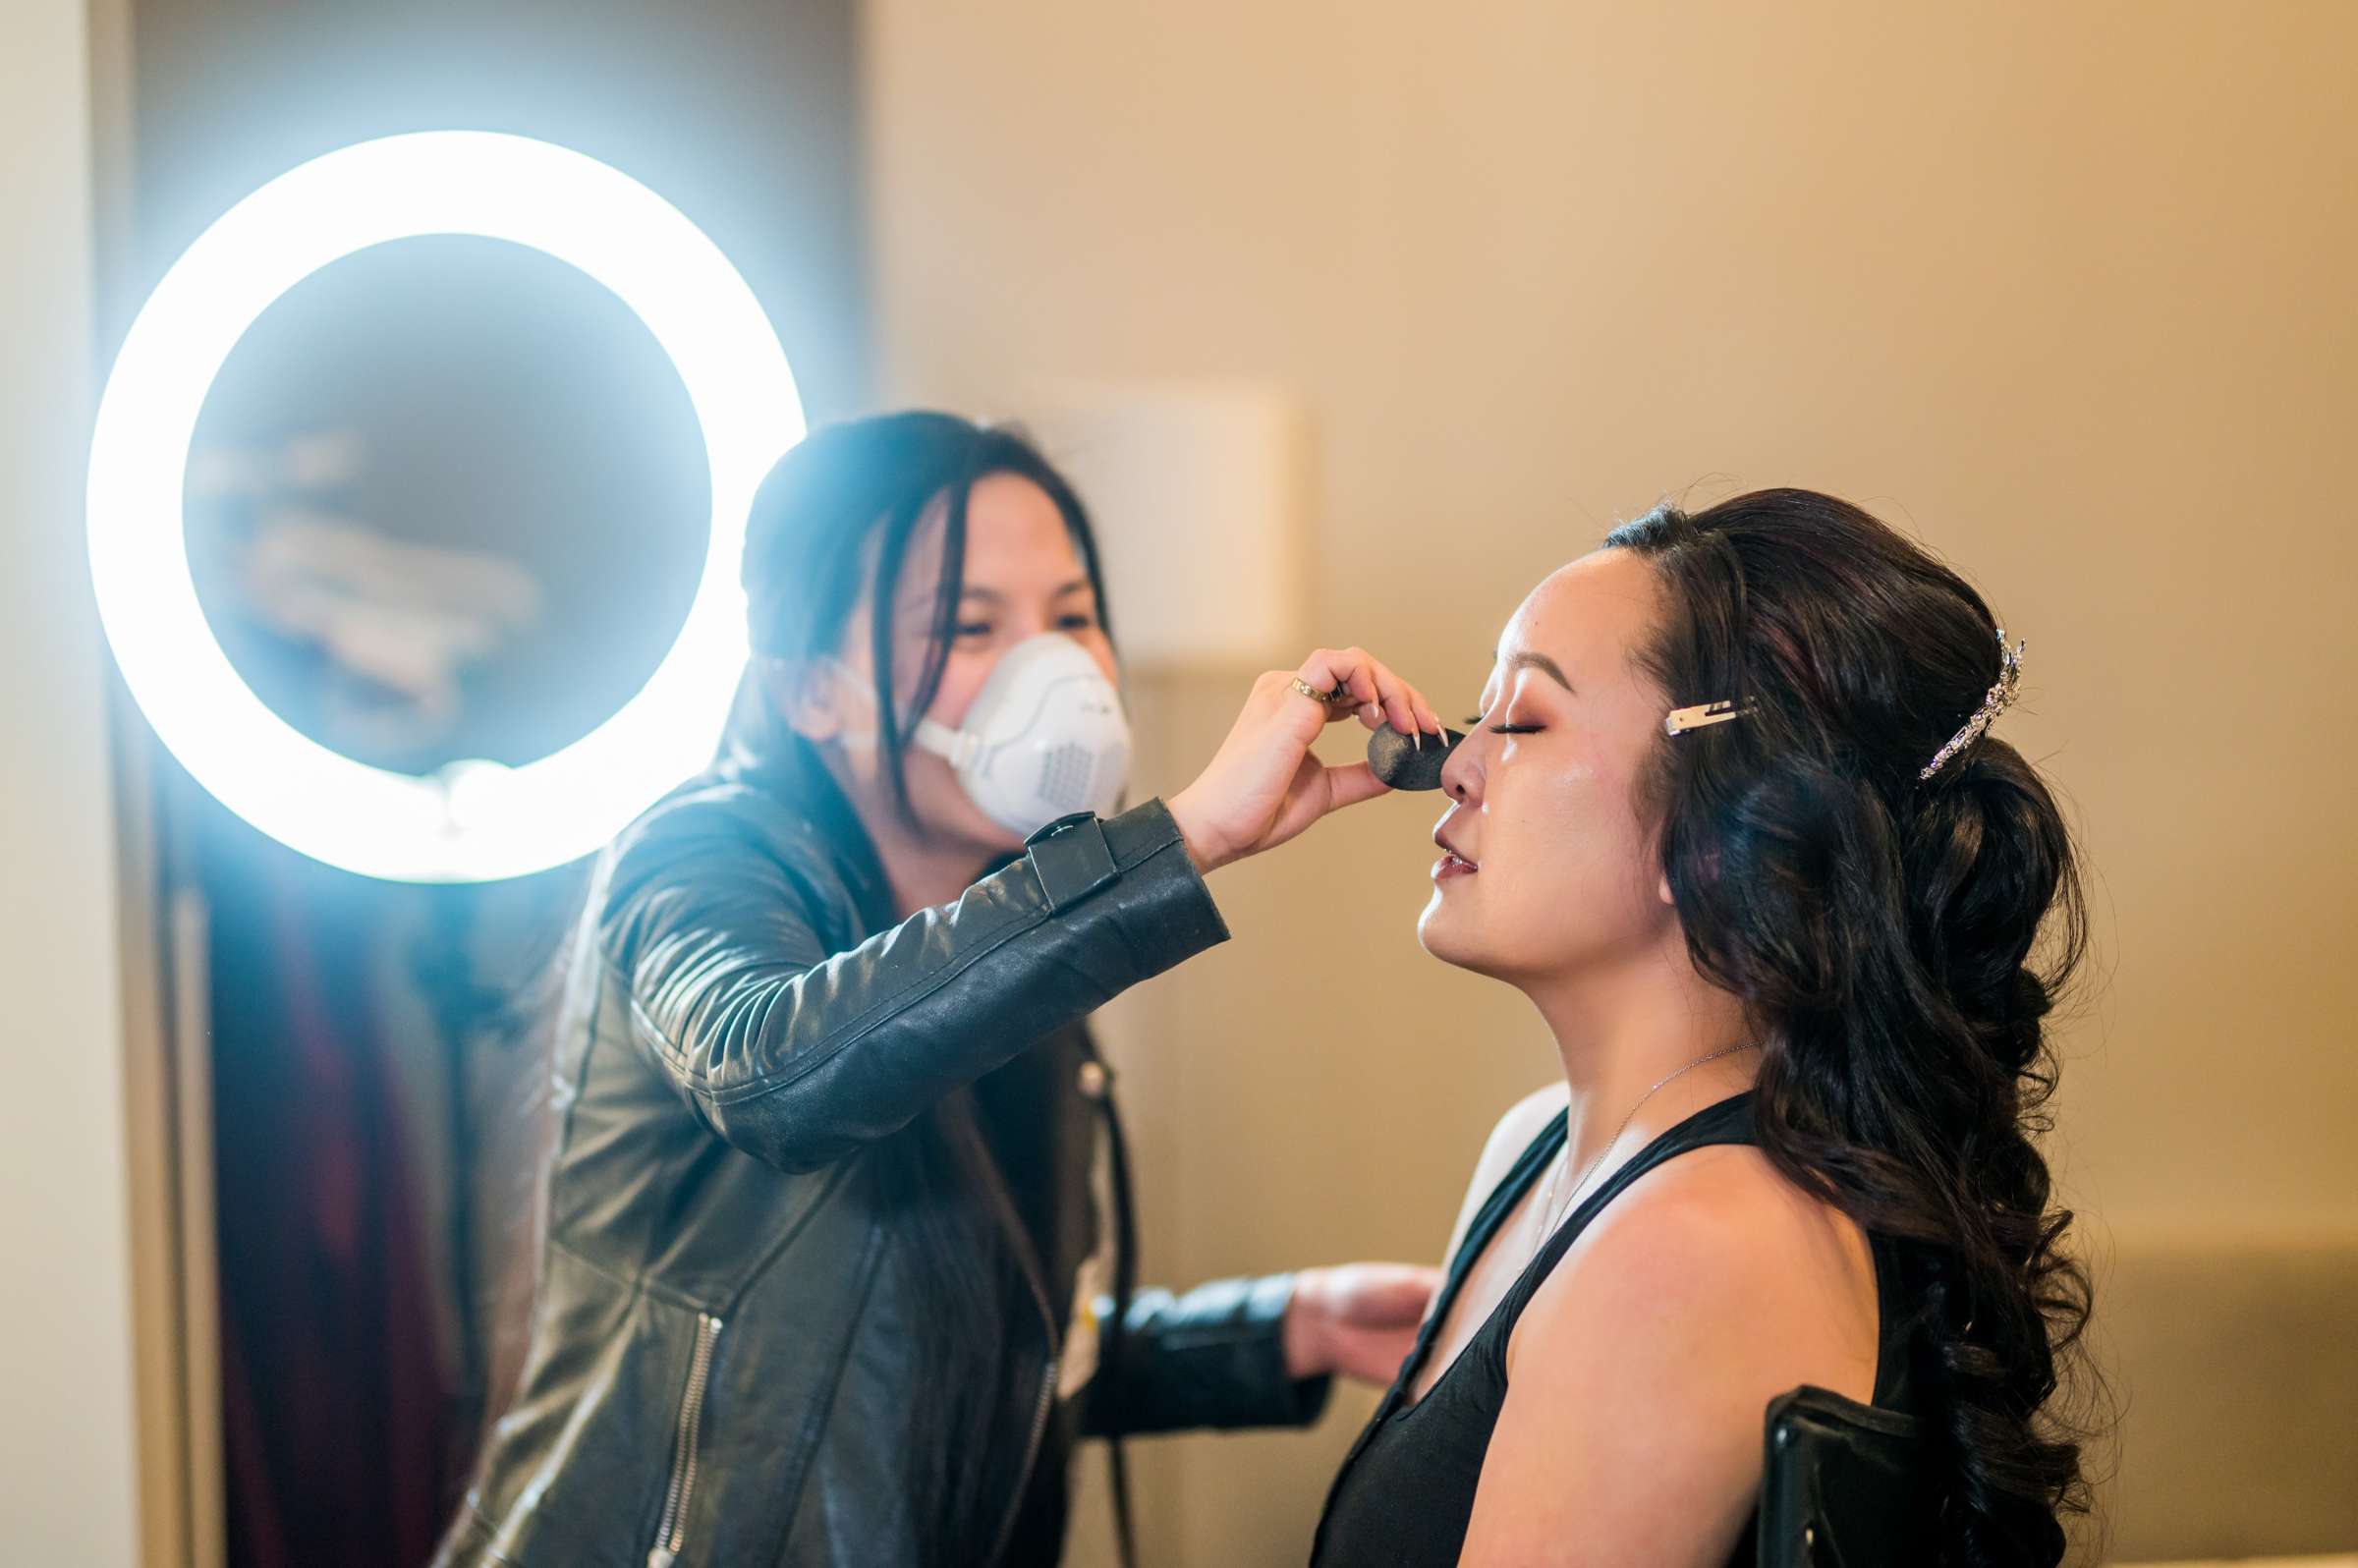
column 1112, row 1338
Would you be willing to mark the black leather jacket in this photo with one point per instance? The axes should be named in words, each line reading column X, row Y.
column 718, row 1370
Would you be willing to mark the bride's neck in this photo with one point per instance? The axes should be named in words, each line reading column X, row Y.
column 1623, row 1027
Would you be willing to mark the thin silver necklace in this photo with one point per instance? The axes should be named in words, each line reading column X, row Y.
column 1548, row 1207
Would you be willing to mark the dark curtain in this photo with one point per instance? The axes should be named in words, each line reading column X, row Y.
column 338, row 1408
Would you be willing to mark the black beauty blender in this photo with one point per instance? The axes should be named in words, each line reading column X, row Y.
column 1400, row 762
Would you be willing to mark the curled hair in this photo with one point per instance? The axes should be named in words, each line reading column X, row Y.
column 1901, row 942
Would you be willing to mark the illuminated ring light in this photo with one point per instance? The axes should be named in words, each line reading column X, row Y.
column 473, row 820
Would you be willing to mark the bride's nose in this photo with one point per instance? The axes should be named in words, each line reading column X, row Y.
column 1461, row 775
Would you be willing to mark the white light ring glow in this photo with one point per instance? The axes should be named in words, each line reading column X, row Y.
column 478, row 822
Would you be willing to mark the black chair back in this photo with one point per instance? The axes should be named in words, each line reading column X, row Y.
column 1842, row 1485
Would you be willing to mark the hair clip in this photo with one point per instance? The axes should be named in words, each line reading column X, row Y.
column 1999, row 699
column 1702, row 714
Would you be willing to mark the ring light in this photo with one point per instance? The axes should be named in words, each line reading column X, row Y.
column 473, row 820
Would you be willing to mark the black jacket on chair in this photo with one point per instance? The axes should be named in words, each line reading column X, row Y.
column 718, row 1370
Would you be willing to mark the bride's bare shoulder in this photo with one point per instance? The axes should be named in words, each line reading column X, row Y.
column 1719, row 1236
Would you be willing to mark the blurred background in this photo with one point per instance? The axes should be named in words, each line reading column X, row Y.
column 1380, row 312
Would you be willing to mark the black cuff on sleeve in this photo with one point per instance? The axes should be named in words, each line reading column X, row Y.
column 1282, row 1401
column 1071, row 859
column 1213, row 1358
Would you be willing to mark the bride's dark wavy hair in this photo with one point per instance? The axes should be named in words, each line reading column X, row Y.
column 1902, row 941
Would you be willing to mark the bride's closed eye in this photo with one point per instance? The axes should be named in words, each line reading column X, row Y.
column 1503, row 729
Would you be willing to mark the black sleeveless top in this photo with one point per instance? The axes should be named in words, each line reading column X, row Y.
column 1406, row 1493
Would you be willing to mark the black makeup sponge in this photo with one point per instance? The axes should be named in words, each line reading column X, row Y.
column 1400, row 762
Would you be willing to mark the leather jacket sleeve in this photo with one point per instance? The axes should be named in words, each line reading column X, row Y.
column 1215, row 1357
column 798, row 1053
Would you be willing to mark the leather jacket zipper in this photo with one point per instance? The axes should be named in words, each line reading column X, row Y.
column 1047, row 1399
column 671, row 1538
column 1039, row 1429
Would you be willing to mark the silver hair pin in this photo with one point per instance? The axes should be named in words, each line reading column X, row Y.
column 2001, row 697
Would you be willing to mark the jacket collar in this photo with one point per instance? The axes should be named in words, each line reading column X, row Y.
column 759, row 751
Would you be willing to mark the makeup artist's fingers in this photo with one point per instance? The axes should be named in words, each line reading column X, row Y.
column 1350, row 783
column 1343, row 671
column 1382, row 696
column 1399, row 703
column 1265, row 784
column 1314, row 791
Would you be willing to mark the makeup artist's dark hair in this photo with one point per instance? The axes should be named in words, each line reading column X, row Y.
column 1901, row 942
column 834, row 523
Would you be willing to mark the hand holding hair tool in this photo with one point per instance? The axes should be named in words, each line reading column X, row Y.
column 1410, row 763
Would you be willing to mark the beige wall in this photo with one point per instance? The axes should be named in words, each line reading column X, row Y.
column 2066, row 289
column 65, row 1449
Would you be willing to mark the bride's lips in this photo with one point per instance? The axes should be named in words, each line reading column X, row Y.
column 1452, row 864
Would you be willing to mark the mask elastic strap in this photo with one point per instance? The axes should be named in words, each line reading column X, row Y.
column 846, row 681
column 956, row 746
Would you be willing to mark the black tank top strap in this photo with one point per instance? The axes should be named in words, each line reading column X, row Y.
column 1507, row 1195
column 1894, row 1387
column 1488, row 1218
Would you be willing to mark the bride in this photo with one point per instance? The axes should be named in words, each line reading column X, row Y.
column 1729, row 818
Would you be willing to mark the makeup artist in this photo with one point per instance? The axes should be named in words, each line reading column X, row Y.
column 837, row 1256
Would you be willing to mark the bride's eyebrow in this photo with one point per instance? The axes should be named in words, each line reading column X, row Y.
column 1525, row 658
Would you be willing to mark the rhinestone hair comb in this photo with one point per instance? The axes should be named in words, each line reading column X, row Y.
column 1999, row 697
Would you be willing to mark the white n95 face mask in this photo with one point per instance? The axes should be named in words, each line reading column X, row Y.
column 1044, row 737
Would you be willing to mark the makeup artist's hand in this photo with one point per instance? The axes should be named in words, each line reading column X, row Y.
column 1360, row 1320
column 1263, row 786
